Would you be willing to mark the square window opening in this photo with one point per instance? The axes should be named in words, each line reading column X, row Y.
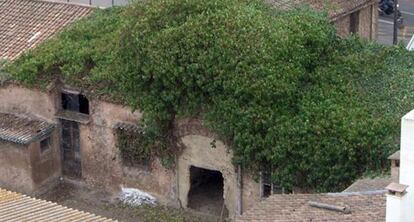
column 75, row 102
column 45, row 145
column 268, row 187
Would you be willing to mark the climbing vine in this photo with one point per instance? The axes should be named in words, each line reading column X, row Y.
column 281, row 87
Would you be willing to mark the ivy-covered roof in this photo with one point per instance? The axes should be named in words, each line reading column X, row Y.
column 280, row 87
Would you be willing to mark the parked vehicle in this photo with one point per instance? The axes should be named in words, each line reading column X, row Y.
column 386, row 7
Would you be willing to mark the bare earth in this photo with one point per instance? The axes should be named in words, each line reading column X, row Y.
column 103, row 204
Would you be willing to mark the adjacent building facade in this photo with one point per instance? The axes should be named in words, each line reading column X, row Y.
column 358, row 17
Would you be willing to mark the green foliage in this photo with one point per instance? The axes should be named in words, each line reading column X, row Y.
column 76, row 54
column 131, row 147
column 280, row 87
column 137, row 148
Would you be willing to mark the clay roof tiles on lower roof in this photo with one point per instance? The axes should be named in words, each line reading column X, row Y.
column 18, row 207
column 369, row 184
column 364, row 207
column 335, row 8
column 22, row 130
column 26, row 23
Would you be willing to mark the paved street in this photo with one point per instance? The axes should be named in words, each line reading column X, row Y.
column 385, row 24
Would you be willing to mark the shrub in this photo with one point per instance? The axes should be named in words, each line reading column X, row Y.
column 280, row 87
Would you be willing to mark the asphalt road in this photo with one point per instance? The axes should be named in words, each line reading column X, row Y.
column 385, row 24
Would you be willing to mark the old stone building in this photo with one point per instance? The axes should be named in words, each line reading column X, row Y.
column 72, row 135
column 63, row 131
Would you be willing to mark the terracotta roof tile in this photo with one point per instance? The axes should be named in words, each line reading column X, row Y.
column 25, row 23
column 395, row 156
column 369, row 184
column 22, row 130
column 18, row 207
column 336, row 8
column 364, row 207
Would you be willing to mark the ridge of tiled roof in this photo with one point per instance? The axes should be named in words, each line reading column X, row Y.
column 21, row 129
column 363, row 207
column 26, row 23
column 335, row 8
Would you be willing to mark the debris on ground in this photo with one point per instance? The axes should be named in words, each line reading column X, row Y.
column 134, row 197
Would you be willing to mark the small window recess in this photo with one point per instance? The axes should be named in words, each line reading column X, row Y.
column 267, row 187
column 128, row 160
column 45, row 145
column 354, row 22
column 74, row 102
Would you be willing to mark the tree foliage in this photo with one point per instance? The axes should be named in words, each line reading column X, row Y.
column 282, row 89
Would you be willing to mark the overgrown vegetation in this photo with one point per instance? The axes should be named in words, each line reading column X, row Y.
column 281, row 88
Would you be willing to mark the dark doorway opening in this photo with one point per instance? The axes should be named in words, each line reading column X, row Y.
column 206, row 191
column 71, row 156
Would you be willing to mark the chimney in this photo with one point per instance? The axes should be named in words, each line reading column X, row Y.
column 395, row 167
column 400, row 199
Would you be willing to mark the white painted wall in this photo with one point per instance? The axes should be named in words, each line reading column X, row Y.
column 393, row 208
column 401, row 209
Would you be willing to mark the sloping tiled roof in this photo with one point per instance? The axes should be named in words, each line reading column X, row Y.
column 22, row 130
column 369, row 184
column 336, row 8
column 363, row 207
column 127, row 126
column 395, row 156
column 18, row 207
column 25, row 23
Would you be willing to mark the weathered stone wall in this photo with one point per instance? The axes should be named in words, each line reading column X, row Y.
column 198, row 152
column 250, row 192
column 17, row 99
column 15, row 172
column 367, row 22
column 23, row 168
column 342, row 26
column 97, row 141
column 45, row 166
column 101, row 161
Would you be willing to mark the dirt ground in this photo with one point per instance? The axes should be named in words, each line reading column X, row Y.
column 104, row 204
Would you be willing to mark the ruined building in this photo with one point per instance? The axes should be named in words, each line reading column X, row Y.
column 64, row 132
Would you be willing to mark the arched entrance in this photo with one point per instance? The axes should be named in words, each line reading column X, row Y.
column 206, row 191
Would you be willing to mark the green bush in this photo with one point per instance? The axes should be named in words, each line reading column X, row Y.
column 280, row 87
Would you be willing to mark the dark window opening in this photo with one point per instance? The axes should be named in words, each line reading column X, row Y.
column 75, row 102
column 354, row 22
column 397, row 163
column 269, row 187
column 45, row 145
column 206, row 191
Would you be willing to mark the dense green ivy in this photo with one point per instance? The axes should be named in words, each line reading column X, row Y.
column 282, row 89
